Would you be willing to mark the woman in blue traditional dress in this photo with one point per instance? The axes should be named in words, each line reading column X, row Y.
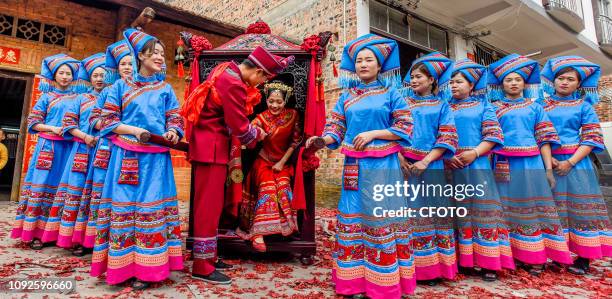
column 118, row 65
column 143, row 238
column 523, row 166
column 571, row 85
column 482, row 235
column 57, row 75
column 67, row 200
column 373, row 254
column 434, row 138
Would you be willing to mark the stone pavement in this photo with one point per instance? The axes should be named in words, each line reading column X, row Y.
column 275, row 276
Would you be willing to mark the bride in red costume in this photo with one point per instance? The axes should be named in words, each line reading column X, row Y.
column 266, row 203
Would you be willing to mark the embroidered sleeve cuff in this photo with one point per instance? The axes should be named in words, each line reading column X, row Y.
column 405, row 136
column 545, row 133
column 335, row 126
column 491, row 131
column 110, row 118
column 250, row 135
column 108, row 127
column 69, row 122
column 175, row 121
column 448, row 139
column 450, row 149
column 592, row 135
column 337, row 140
column 94, row 118
column 402, row 125
column 35, row 117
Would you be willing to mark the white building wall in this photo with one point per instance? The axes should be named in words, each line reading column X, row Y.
column 459, row 46
column 363, row 17
column 589, row 21
column 587, row 15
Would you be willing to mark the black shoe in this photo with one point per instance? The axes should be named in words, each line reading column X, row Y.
column 534, row 270
column 81, row 251
column 580, row 266
column 139, row 285
column 489, row 275
column 467, row 271
column 223, row 266
column 215, row 277
column 36, row 244
column 433, row 282
column 429, row 282
column 556, row 267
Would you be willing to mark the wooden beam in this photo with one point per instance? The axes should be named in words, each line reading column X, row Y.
column 178, row 17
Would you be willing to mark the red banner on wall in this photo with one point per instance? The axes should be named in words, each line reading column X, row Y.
column 9, row 55
column 471, row 56
column 31, row 139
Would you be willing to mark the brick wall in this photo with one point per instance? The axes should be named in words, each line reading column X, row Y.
column 91, row 30
column 87, row 34
column 604, row 107
column 169, row 35
column 291, row 19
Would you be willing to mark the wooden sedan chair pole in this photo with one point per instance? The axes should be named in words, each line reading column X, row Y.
column 309, row 102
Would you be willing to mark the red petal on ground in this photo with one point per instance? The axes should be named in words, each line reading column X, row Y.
column 273, row 294
column 250, row 275
column 261, row 268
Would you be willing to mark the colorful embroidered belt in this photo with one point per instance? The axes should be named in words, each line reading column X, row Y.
column 77, row 139
column 371, row 152
column 519, row 151
column 565, row 149
column 52, row 137
column 132, row 145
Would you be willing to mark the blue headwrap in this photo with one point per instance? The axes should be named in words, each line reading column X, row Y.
column 136, row 41
column 589, row 76
column 114, row 54
column 474, row 73
column 50, row 65
column 88, row 65
column 387, row 53
column 437, row 65
column 528, row 69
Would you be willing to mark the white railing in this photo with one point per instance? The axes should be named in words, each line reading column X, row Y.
column 606, row 29
column 574, row 6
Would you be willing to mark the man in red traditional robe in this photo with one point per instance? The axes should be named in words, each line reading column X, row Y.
column 215, row 111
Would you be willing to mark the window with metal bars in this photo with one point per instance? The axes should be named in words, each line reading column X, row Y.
column 33, row 30
column 486, row 55
column 407, row 28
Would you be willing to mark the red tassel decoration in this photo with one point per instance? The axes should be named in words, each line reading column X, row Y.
column 335, row 70
column 179, row 58
column 180, row 70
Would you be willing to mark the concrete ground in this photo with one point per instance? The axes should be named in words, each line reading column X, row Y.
column 275, row 276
